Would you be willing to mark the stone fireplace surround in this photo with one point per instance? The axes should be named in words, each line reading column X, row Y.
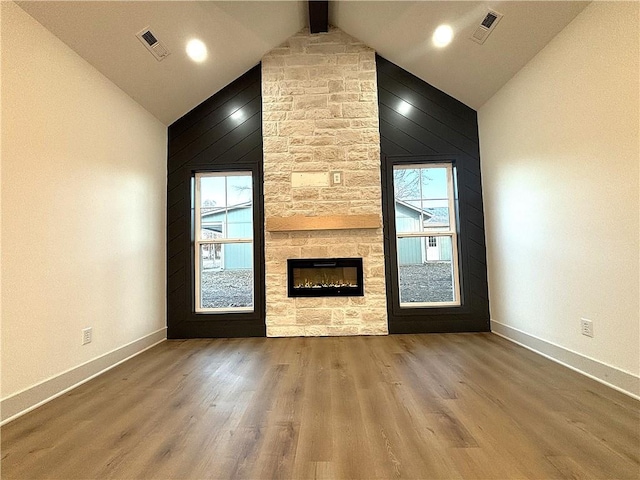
column 320, row 115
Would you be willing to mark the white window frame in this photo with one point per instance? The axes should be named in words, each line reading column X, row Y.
column 221, row 241
column 452, row 232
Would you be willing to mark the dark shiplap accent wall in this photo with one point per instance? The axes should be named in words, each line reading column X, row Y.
column 437, row 127
column 208, row 138
column 319, row 16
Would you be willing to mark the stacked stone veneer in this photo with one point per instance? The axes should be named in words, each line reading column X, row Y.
column 320, row 114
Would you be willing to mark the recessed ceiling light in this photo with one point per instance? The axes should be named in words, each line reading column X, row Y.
column 197, row 50
column 442, row 36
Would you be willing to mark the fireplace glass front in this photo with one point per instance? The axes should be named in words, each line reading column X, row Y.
column 325, row 277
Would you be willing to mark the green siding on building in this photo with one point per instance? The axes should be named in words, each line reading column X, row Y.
column 237, row 224
column 409, row 249
column 413, row 251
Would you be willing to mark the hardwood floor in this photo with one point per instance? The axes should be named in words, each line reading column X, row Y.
column 402, row 406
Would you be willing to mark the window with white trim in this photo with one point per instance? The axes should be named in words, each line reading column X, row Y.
column 223, row 241
column 426, row 235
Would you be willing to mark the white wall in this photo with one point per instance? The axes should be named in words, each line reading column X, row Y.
column 560, row 155
column 83, row 210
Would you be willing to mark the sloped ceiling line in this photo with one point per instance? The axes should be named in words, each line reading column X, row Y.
column 238, row 34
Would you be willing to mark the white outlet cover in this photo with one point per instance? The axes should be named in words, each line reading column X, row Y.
column 86, row 335
column 586, row 327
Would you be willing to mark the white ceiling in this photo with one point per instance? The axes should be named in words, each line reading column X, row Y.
column 239, row 33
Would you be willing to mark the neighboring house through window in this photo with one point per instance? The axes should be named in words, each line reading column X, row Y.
column 224, row 280
column 426, row 235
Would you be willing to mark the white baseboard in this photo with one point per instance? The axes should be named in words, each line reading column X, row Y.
column 31, row 398
column 613, row 377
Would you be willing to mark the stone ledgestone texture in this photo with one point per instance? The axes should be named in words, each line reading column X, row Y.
column 320, row 114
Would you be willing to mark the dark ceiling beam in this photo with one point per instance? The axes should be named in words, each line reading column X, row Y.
column 319, row 16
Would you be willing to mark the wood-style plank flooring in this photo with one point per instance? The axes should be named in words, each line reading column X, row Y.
column 402, row 406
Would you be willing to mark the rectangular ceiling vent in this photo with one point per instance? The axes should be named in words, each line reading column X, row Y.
column 155, row 46
column 487, row 25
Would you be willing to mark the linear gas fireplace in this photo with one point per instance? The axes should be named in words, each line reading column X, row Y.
column 325, row 277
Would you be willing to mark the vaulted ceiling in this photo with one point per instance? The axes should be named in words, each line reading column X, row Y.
column 239, row 33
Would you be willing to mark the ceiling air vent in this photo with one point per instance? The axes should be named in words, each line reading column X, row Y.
column 154, row 45
column 487, row 25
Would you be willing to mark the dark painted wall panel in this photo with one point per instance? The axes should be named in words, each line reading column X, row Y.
column 465, row 126
column 437, row 127
column 214, row 118
column 235, row 145
column 225, row 131
column 212, row 104
column 209, row 138
column 428, row 92
column 429, row 125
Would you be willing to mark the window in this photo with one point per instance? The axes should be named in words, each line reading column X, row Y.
column 224, row 280
column 426, row 235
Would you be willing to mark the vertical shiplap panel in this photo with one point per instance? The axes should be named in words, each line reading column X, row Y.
column 210, row 137
column 418, row 120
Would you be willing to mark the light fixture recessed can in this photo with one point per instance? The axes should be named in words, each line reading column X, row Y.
column 197, row 50
column 442, row 36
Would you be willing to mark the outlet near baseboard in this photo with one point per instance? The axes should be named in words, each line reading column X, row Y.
column 586, row 327
column 86, row 335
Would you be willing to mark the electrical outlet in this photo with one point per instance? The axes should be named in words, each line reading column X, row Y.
column 86, row 335
column 336, row 178
column 586, row 327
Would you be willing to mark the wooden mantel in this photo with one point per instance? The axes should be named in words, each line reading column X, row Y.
column 326, row 222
